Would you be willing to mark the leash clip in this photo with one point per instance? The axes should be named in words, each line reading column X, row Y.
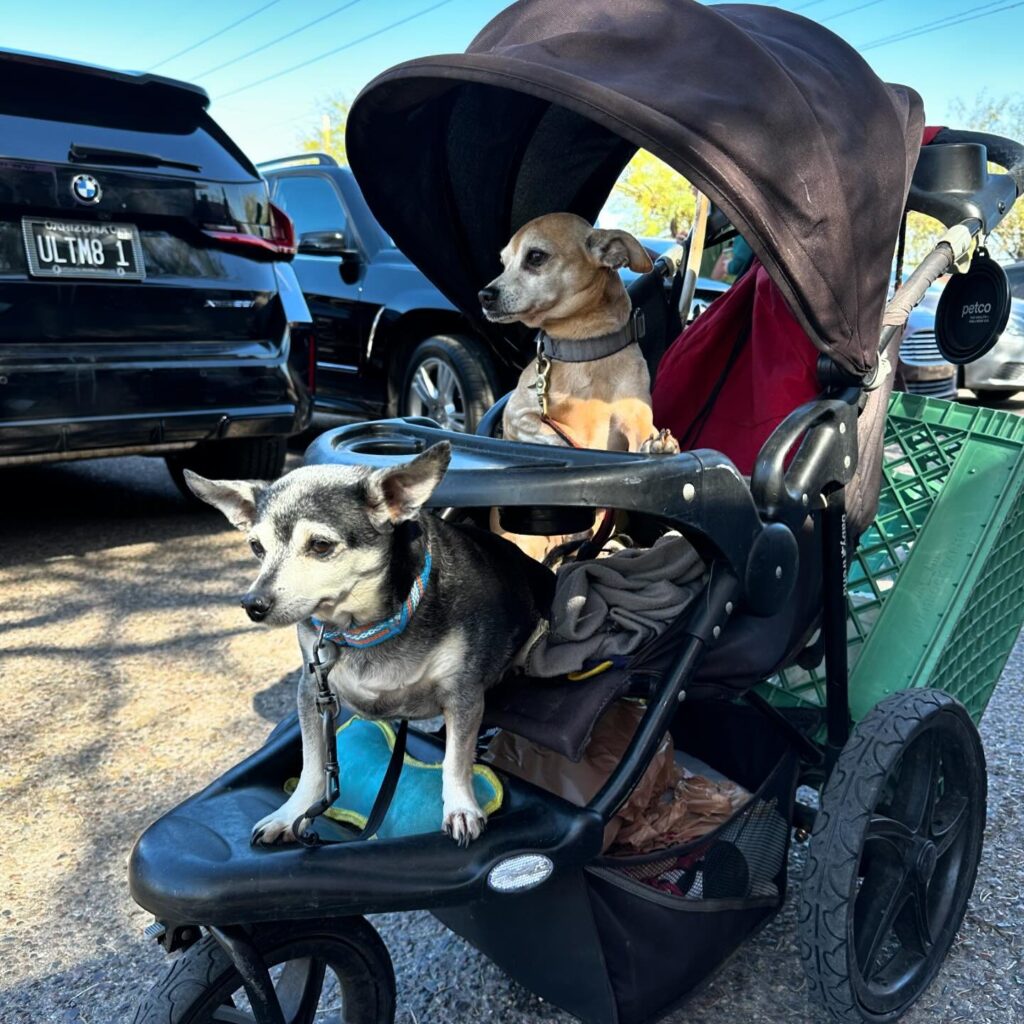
column 540, row 385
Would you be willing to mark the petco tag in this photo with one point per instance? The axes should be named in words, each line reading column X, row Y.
column 973, row 311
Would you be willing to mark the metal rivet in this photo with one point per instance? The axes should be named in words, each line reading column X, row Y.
column 778, row 572
column 716, row 632
column 846, row 461
column 842, row 428
column 728, row 607
column 803, row 498
column 682, row 696
column 689, row 492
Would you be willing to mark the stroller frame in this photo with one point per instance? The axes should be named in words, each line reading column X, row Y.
column 750, row 529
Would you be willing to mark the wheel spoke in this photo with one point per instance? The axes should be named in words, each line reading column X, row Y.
column 299, row 988
column 445, row 383
column 891, row 832
column 912, row 924
column 423, row 387
column 231, row 1015
column 947, row 835
column 875, row 912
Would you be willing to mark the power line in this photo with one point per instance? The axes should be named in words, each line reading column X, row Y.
column 337, row 49
column 851, row 10
column 219, row 32
column 939, row 23
column 811, row 3
column 279, row 39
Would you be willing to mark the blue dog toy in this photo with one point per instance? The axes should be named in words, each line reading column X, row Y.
column 364, row 750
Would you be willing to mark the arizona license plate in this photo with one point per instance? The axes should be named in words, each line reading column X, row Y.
column 69, row 248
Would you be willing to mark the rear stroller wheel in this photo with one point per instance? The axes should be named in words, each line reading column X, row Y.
column 323, row 971
column 893, row 856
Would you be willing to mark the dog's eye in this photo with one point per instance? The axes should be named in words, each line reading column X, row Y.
column 319, row 546
column 257, row 548
column 536, row 257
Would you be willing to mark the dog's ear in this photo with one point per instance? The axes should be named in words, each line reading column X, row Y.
column 614, row 248
column 235, row 498
column 395, row 495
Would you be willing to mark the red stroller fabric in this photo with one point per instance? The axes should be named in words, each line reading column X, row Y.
column 773, row 372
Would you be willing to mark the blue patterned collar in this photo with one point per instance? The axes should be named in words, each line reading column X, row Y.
column 386, row 629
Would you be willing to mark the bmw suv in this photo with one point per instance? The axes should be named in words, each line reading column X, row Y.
column 146, row 301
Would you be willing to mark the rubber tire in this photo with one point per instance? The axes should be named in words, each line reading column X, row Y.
column 993, row 397
column 247, row 458
column 830, row 876
column 190, row 981
column 473, row 368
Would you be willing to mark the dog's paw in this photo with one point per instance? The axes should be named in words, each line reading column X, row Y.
column 463, row 823
column 274, row 828
column 662, row 443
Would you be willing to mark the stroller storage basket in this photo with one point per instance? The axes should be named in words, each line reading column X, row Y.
column 612, row 948
column 951, row 520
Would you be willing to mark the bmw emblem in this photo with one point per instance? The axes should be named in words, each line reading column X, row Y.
column 86, row 189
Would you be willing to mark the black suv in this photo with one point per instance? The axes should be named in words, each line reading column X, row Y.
column 387, row 340
column 144, row 304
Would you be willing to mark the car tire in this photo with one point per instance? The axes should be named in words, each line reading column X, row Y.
column 450, row 379
column 247, row 458
column 993, row 397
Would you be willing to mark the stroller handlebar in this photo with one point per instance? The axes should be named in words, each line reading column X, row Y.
column 1001, row 150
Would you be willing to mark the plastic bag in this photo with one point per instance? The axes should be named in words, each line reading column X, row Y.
column 666, row 803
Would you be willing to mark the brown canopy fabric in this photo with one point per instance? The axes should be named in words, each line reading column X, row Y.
column 778, row 120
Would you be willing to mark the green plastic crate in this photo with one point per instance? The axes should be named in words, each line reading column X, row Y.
column 950, row 533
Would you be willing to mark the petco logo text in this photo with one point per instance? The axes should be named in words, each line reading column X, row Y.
column 976, row 307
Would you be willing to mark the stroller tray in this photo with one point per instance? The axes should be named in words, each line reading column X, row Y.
column 936, row 587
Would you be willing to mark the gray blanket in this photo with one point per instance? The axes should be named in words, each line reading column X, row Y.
column 612, row 606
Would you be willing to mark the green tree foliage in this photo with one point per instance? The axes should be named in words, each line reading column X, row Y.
column 657, row 200
column 329, row 136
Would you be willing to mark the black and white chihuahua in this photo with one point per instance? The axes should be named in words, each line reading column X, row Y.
column 426, row 614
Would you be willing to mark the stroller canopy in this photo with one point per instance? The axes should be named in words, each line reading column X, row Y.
column 775, row 118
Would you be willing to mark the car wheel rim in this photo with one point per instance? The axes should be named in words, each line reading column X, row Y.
column 435, row 392
column 916, row 846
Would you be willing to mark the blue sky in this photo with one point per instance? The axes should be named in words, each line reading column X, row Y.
column 266, row 120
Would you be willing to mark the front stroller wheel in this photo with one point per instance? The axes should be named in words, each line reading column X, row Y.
column 893, row 856
column 327, row 972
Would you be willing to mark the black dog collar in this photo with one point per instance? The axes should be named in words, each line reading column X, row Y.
column 586, row 350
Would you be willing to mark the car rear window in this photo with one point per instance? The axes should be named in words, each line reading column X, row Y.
column 43, row 114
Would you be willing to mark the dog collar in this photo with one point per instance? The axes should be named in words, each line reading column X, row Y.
column 586, row 350
column 385, row 629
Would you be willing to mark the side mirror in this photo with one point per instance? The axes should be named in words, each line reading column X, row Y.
column 323, row 243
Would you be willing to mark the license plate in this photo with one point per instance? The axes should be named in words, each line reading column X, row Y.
column 70, row 248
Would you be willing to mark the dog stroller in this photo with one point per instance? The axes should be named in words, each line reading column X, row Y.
column 812, row 159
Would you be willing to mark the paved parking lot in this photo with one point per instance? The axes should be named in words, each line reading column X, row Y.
column 130, row 678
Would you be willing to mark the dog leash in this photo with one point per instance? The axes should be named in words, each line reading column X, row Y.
column 604, row 531
column 327, row 706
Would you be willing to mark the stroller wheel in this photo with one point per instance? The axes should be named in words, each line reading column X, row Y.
column 893, row 856
column 331, row 970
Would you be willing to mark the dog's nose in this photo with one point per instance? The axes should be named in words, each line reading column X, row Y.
column 257, row 606
column 488, row 296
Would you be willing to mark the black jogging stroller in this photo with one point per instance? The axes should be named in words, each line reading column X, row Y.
column 812, row 159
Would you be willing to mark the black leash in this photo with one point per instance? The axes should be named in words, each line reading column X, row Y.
column 328, row 706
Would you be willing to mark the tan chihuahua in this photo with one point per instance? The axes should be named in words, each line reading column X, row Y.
column 590, row 387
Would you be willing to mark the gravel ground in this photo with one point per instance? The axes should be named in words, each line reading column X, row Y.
column 128, row 679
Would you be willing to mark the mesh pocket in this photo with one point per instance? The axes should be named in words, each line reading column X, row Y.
column 742, row 860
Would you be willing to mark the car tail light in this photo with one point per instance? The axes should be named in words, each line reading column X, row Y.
column 280, row 245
